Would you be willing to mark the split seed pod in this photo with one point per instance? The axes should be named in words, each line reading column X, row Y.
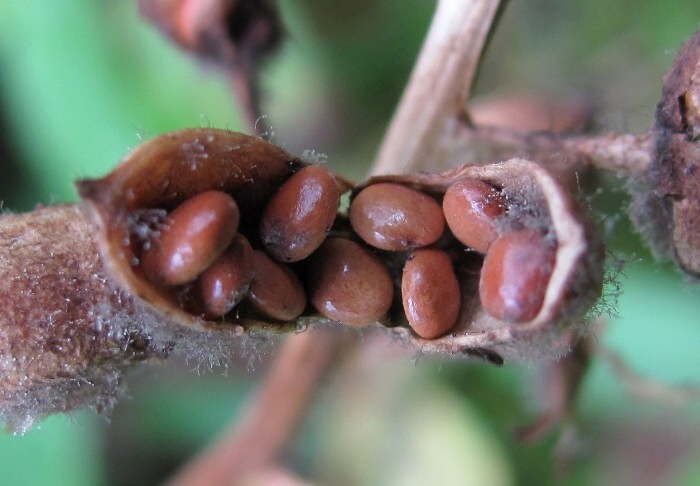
column 130, row 203
column 129, row 206
column 535, row 201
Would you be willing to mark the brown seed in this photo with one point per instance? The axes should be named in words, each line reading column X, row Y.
column 226, row 282
column 300, row 214
column 275, row 291
column 515, row 275
column 348, row 283
column 430, row 293
column 196, row 233
column 396, row 217
column 470, row 208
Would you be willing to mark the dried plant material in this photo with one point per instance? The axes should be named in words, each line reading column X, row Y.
column 235, row 35
column 436, row 95
column 228, row 32
column 161, row 174
column 85, row 306
column 68, row 331
column 536, row 201
column 65, row 337
column 667, row 205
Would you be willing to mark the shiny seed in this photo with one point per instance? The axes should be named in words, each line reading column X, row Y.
column 348, row 283
column 470, row 208
column 515, row 276
column 430, row 293
column 226, row 282
column 195, row 234
column 300, row 214
column 396, row 217
column 275, row 291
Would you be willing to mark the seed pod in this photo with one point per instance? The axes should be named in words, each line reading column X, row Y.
column 430, row 293
column 471, row 208
column 130, row 203
column 515, row 275
column 396, row 217
column 300, row 214
column 348, row 283
column 536, row 201
column 223, row 285
column 196, row 233
column 275, row 291
column 163, row 173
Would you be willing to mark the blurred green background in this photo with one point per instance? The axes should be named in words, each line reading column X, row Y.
column 84, row 81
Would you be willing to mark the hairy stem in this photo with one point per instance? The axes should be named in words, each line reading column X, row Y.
column 63, row 327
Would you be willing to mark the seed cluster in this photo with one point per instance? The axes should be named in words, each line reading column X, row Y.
column 399, row 254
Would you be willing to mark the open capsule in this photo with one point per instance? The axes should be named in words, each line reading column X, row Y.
column 165, row 172
column 130, row 206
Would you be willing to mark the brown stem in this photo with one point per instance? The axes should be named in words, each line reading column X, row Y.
column 66, row 332
column 461, row 47
column 439, row 87
column 272, row 416
column 248, row 99
column 623, row 154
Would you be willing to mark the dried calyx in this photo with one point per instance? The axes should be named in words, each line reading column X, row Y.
column 217, row 229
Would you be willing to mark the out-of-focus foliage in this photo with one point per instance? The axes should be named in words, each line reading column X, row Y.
column 83, row 81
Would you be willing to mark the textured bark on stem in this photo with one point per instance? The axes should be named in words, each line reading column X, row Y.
column 670, row 196
column 60, row 346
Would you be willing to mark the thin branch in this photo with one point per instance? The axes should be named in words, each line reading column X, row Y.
column 272, row 415
column 646, row 388
column 623, row 154
column 440, row 84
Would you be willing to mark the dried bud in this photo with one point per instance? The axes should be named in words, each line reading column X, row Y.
column 226, row 31
column 667, row 205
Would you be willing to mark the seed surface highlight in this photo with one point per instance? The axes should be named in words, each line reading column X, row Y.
column 227, row 281
column 430, row 293
column 300, row 214
column 348, row 283
column 275, row 291
column 515, row 275
column 470, row 208
column 195, row 234
column 396, row 217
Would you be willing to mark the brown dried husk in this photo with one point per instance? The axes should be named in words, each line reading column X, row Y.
column 164, row 172
column 169, row 169
column 666, row 206
column 576, row 279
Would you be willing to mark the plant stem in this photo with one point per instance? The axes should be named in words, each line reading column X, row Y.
column 64, row 339
column 272, row 416
column 439, row 86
